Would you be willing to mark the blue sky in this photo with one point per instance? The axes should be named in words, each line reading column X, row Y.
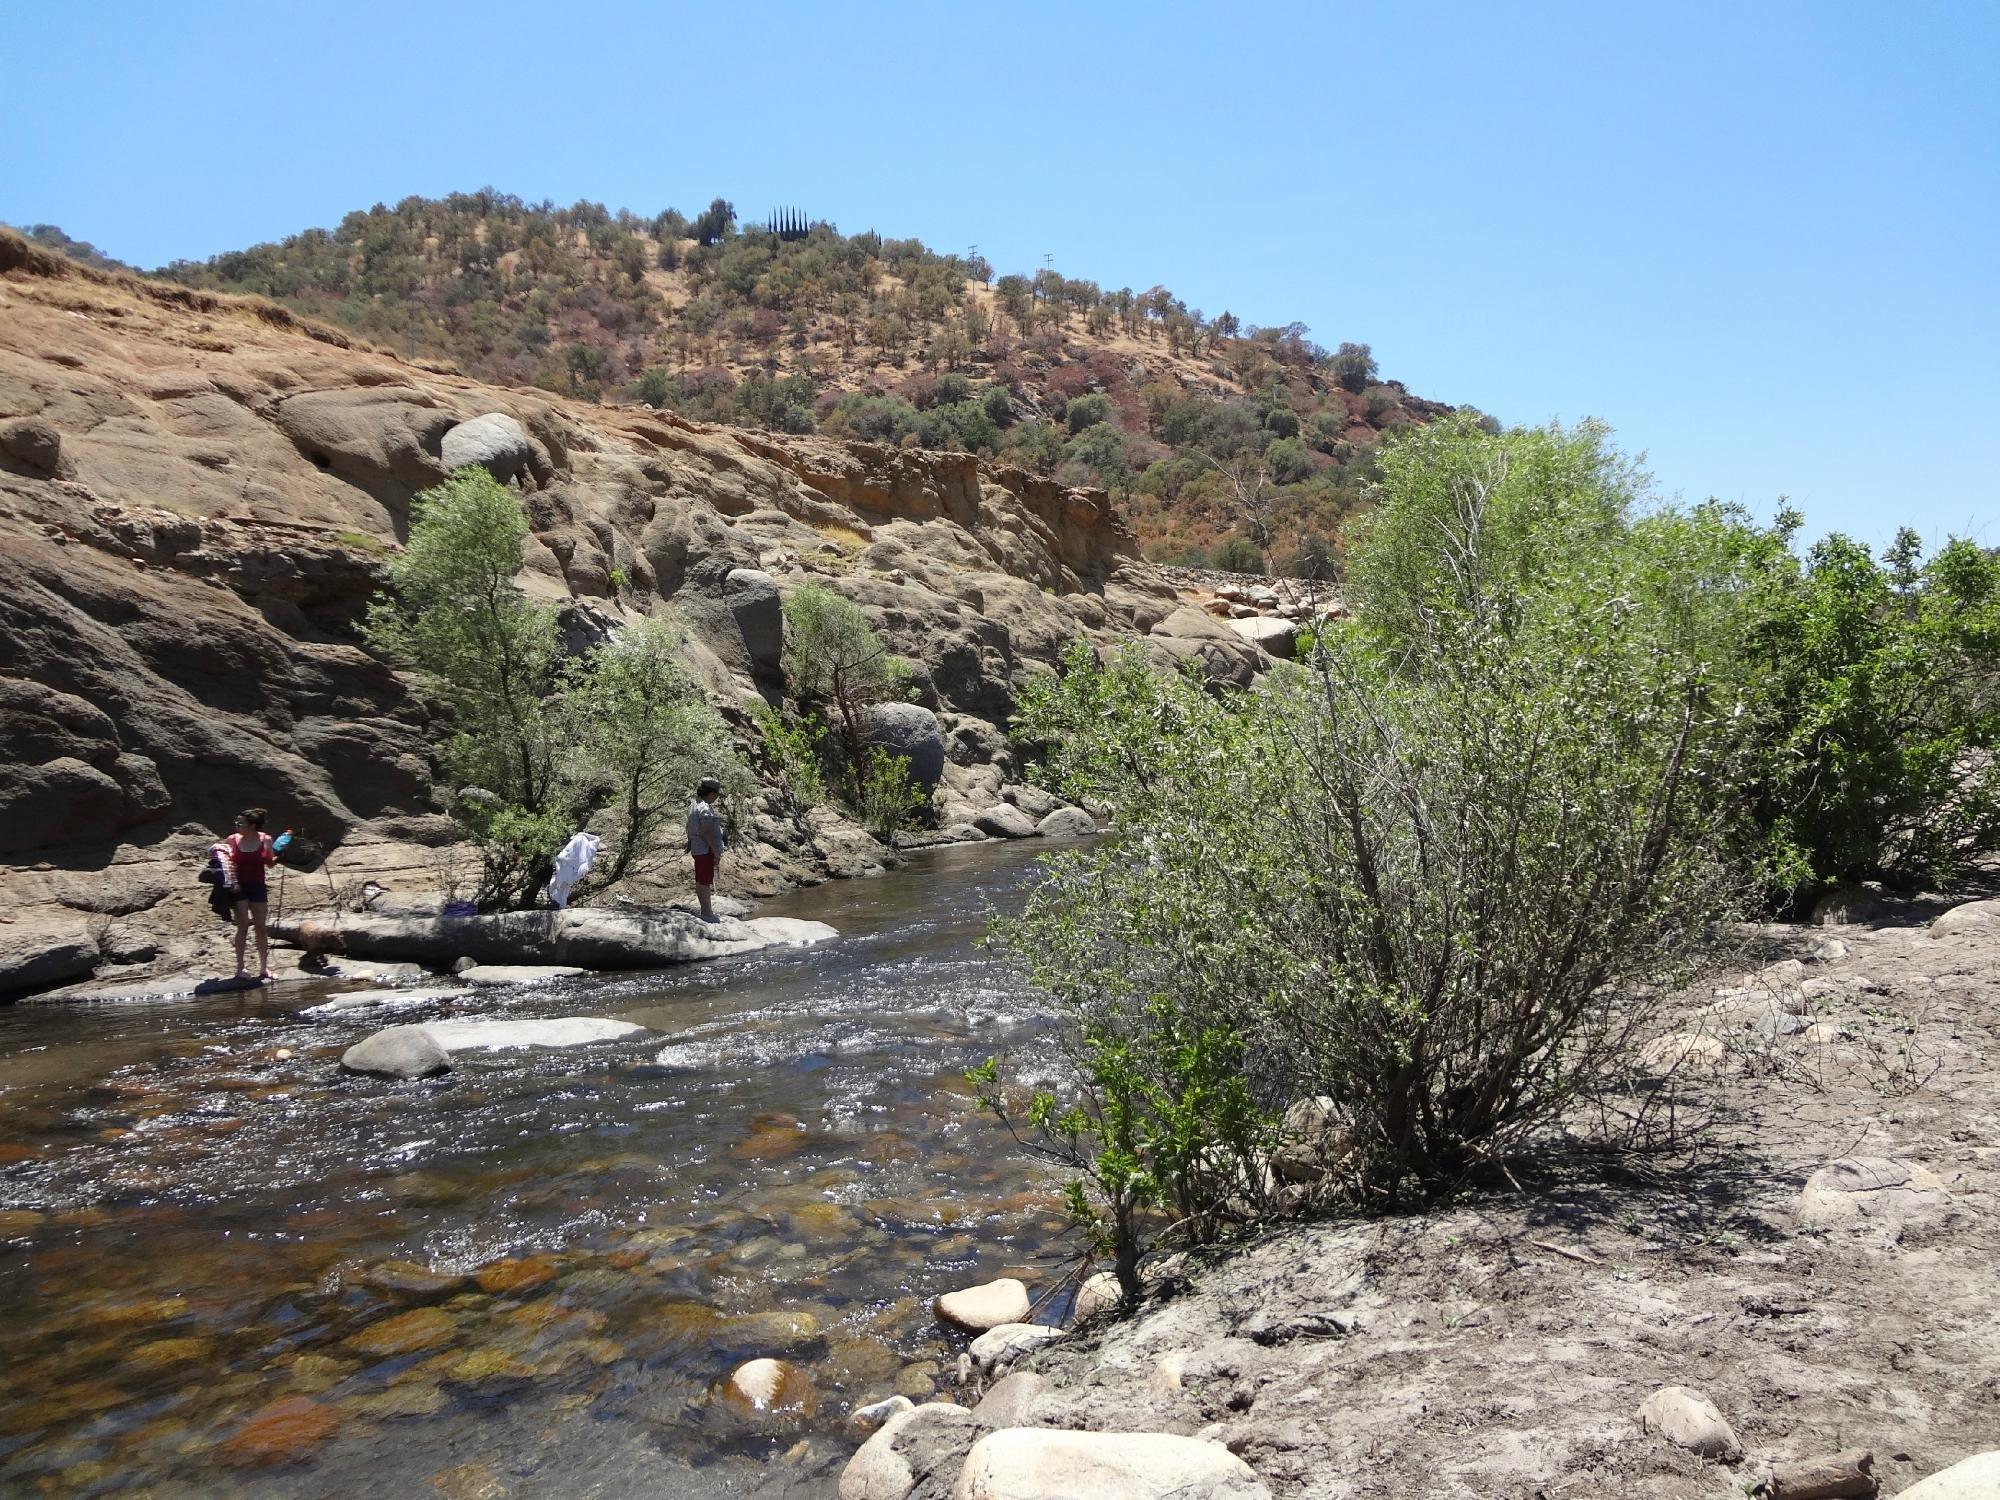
column 1758, row 239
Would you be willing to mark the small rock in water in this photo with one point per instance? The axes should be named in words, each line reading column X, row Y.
column 769, row 1388
column 281, row 1433
column 1690, row 1419
column 411, row 1282
column 283, row 1054
column 406, row 1333
column 491, row 976
column 979, row 1308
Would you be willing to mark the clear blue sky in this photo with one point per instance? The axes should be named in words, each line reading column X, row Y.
column 1758, row 239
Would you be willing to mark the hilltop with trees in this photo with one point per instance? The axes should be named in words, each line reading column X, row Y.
column 1224, row 442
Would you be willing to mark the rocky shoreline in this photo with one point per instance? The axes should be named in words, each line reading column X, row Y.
column 1797, row 1298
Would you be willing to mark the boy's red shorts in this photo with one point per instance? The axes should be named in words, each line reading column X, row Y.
column 704, row 869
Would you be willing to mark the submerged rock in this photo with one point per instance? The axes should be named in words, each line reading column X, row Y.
column 497, row 1036
column 769, row 1388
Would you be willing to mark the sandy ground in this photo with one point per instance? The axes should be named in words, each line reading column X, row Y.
column 1501, row 1347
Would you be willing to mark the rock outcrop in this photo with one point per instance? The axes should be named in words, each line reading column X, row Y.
column 197, row 496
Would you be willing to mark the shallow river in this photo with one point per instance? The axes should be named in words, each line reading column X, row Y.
column 225, row 1272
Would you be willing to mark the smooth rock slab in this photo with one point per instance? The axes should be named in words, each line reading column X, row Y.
column 497, row 1036
column 1036, row 1463
column 979, row 1308
column 1974, row 1478
column 397, row 1052
column 1690, row 1419
column 493, row 976
column 1011, row 1399
column 1870, row 1188
column 1008, row 1342
column 586, row 937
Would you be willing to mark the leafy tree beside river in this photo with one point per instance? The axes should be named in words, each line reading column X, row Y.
column 541, row 744
column 1427, row 886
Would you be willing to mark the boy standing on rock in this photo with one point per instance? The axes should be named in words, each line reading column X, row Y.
column 704, row 829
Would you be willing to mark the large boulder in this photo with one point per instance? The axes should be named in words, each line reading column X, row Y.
column 1276, row 637
column 911, row 730
column 1005, row 822
column 754, row 603
column 37, row 963
column 1974, row 1478
column 495, row 442
column 1067, row 823
column 397, row 1052
column 34, row 446
column 1039, row 1463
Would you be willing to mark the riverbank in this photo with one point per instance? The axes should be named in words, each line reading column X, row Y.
column 1817, row 1261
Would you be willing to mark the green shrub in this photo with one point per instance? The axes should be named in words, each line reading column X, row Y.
column 888, row 800
column 791, row 756
column 1236, row 554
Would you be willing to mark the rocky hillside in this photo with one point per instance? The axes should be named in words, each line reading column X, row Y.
column 1201, row 426
column 197, row 492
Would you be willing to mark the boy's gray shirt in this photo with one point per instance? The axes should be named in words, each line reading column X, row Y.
column 704, row 828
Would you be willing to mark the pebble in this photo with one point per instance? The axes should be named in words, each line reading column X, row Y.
column 281, row 1432
column 864, row 1420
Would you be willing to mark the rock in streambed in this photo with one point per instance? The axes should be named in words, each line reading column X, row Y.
column 585, row 938
column 419, row 1051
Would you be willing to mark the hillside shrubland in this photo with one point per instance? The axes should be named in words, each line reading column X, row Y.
column 1203, row 428
column 1398, row 910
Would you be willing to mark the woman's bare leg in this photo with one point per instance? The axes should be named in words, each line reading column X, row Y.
column 258, row 912
column 242, row 913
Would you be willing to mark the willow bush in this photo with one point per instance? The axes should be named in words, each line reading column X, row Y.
column 1433, row 876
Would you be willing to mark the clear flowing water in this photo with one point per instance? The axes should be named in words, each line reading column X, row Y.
column 225, row 1271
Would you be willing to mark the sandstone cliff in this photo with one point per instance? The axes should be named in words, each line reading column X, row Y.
column 196, row 493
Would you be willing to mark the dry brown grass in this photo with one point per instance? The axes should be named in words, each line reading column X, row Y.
column 19, row 254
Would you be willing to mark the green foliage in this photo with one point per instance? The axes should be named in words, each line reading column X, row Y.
column 834, row 658
column 1882, row 703
column 888, row 801
column 790, row 757
column 478, row 644
column 639, row 735
column 1236, row 554
column 539, row 746
column 1353, row 365
column 1435, row 874
column 1315, row 560
column 1086, row 411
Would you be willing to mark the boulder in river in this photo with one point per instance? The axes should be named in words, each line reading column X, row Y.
column 767, row 1388
column 1067, row 823
column 495, row 976
column 397, row 1052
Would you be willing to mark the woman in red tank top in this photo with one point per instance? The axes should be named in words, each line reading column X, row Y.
column 250, row 859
